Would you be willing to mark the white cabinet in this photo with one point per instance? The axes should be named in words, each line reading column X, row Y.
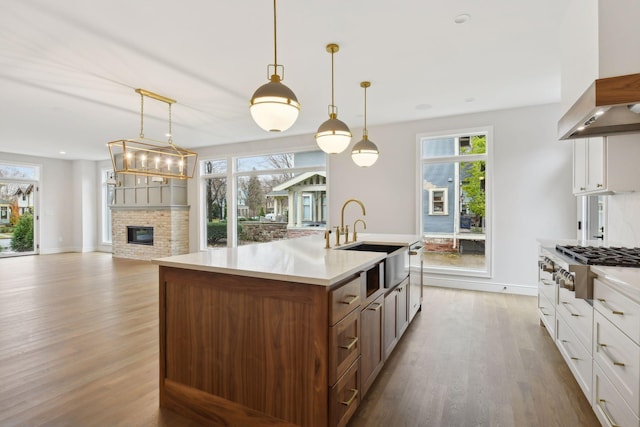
column 616, row 356
column 606, row 164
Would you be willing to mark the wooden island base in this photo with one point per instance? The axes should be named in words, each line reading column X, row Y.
column 237, row 350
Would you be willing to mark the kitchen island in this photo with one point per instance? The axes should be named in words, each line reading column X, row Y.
column 271, row 333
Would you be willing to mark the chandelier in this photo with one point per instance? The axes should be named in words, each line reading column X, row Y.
column 148, row 157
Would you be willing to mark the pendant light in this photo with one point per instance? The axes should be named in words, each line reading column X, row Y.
column 333, row 136
column 365, row 153
column 274, row 107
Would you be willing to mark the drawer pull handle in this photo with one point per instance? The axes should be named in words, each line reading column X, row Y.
column 377, row 307
column 413, row 253
column 351, row 399
column 603, row 405
column 604, row 303
column 353, row 299
column 606, row 353
column 353, row 342
column 565, row 342
column 570, row 312
column 547, row 282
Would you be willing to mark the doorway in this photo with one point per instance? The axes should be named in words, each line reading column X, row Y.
column 18, row 210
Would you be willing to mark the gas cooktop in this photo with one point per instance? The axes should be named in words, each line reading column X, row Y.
column 600, row 255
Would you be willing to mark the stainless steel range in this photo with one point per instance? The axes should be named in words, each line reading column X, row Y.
column 568, row 265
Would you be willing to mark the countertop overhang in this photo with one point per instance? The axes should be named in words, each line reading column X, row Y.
column 301, row 260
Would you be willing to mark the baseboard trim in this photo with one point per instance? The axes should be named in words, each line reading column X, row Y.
column 477, row 285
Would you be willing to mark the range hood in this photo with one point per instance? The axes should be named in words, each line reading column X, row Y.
column 610, row 106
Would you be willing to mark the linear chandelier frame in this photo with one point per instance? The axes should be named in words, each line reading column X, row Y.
column 149, row 157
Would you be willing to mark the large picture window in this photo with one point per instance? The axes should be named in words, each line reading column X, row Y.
column 261, row 198
column 454, row 196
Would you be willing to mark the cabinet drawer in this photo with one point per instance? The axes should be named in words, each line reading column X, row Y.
column 608, row 405
column 547, row 314
column 619, row 358
column 344, row 345
column 343, row 300
column 548, row 288
column 620, row 310
column 344, row 397
column 576, row 355
column 579, row 316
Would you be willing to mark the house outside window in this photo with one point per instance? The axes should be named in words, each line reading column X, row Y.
column 263, row 197
column 438, row 201
column 454, row 179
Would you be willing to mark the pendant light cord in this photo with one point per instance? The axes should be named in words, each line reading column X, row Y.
column 275, row 40
column 141, row 116
column 333, row 105
column 364, row 131
column 170, row 131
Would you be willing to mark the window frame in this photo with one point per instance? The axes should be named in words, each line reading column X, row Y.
column 232, row 175
column 445, row 201
column 487, row 157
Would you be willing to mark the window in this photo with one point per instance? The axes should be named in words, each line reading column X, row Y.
column 108, row 194
column 263, row 197
column 214, row 173
column 455, row 220
column 438, row 201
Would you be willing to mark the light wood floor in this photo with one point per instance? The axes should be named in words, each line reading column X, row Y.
column 79, row 347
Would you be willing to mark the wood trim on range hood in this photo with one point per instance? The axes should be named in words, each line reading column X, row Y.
column 604, row 109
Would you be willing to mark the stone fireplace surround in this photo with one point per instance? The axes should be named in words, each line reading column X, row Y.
column 146, row 202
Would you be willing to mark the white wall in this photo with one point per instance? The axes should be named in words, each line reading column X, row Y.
column 532, row 188
column 55, row 204
column 85, row 205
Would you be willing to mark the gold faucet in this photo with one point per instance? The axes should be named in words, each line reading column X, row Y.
column 355, row 233
column 364, row 212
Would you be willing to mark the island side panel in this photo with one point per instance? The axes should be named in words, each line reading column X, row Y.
column 259, row 343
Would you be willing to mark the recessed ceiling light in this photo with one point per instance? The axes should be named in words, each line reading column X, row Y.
column 63, row 152
column 423, row 106
column 462, row 18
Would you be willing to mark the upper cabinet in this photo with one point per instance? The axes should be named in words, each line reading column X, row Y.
column 606, row 164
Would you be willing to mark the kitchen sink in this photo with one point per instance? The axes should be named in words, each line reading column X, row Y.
column 371, row 247
column 396, row 264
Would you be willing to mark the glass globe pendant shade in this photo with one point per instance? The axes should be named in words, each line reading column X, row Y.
column 274, row 107
column 333, row 136
column 364, row 153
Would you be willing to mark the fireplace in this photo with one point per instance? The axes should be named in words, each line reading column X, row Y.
column 140, row 235
column 149, row 217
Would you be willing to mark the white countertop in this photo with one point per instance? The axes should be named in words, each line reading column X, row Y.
column 303, row 260
column 624, row 279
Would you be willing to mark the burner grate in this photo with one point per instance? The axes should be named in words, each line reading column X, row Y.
column 600, row 255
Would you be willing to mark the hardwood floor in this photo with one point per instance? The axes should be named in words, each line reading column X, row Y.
column 475, row 359
column 79, row 347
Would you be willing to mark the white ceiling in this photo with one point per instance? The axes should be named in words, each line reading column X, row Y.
column 68, row 69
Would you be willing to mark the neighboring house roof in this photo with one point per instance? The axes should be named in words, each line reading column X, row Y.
column 299, row 179
column 24, row 189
